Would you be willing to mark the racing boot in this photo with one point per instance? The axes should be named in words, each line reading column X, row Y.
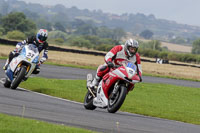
column 6, row 65
column 95, row 83
column 36, row 70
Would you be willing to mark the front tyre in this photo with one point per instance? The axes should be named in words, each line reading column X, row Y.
column 115, row 103
column 88, row 101
column 19, row 78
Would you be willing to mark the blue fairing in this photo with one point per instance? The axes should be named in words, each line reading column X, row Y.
column 36, row 59
column 23, row 52
column 131, row 65
column 9, row 73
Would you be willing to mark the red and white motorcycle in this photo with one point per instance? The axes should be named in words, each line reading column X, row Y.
column 113, row 88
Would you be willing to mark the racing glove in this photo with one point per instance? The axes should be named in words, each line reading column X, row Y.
column 39, row 63
column 110, row 64
column 42, row 60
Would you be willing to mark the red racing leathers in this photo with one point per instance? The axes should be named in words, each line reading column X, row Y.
column 117, row 55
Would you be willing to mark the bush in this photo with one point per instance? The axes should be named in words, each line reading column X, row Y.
column 58, row 34
column 17, row 35
column 2, row 30
column 79, row 41
column 154, row 45
column 170, row 55
column 59, row 40
column 189, row 58
column 174, row 56
column 198, row 59
column 196, row 47
column 149, row 53
column 104, row 47
column 163, row 55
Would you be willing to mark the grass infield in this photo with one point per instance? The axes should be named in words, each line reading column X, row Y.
column 13, row 124
column 157, row 100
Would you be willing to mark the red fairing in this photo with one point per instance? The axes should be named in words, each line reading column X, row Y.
column 123, row 70
column 110, row 78
column 108, row 81
column 136, row 77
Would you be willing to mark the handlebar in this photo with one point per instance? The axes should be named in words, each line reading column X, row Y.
column 116, row 66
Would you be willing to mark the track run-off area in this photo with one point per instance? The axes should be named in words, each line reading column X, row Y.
column 33, row 105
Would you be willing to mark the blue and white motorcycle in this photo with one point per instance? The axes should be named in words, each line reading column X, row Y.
column 22, row 66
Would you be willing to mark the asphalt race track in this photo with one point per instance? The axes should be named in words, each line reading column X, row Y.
column 37, row 106
column 58, row 72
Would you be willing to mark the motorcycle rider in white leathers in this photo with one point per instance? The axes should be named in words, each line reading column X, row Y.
column 39, row 40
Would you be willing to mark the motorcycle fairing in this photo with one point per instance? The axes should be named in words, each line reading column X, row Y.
column 127, row 73
column 9, row 74
column 100, row 100
column 29, row 56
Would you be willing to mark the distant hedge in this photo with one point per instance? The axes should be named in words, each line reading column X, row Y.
column 183, row 57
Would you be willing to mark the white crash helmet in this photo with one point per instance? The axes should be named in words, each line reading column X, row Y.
column 131, row 43
column 42, row 35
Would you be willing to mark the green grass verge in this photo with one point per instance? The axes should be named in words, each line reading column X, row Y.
column 1, row 57
column 158, row 100
column 13, row 124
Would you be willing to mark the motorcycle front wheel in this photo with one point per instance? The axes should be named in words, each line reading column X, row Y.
column 19, row 78
column 88, row 101
column 7, row 83
column 115, row 103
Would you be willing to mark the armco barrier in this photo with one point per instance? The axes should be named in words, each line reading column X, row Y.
column 54, row 48
column 7, row 42
column 75, row 51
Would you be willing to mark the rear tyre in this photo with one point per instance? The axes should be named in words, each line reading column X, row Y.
column 7, row 83
column 115, row 103
column 19, row 78
column 88, row 101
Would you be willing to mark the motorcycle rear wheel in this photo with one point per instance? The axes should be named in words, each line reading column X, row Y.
column 19, row 78
column 115, row 104
column 88, row 101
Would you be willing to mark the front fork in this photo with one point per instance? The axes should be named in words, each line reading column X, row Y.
column 115, row 90
column 19, row 68
column 91, row 92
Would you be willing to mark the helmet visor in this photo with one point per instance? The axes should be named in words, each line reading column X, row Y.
column 42, row 38
column 132, row 50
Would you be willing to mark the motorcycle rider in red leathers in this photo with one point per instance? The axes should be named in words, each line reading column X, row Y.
column 117, row 55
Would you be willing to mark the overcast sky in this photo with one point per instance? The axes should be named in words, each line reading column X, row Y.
column 181, row 11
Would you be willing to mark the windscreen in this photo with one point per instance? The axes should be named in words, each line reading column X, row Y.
column 131, row 65
column 33, row 48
